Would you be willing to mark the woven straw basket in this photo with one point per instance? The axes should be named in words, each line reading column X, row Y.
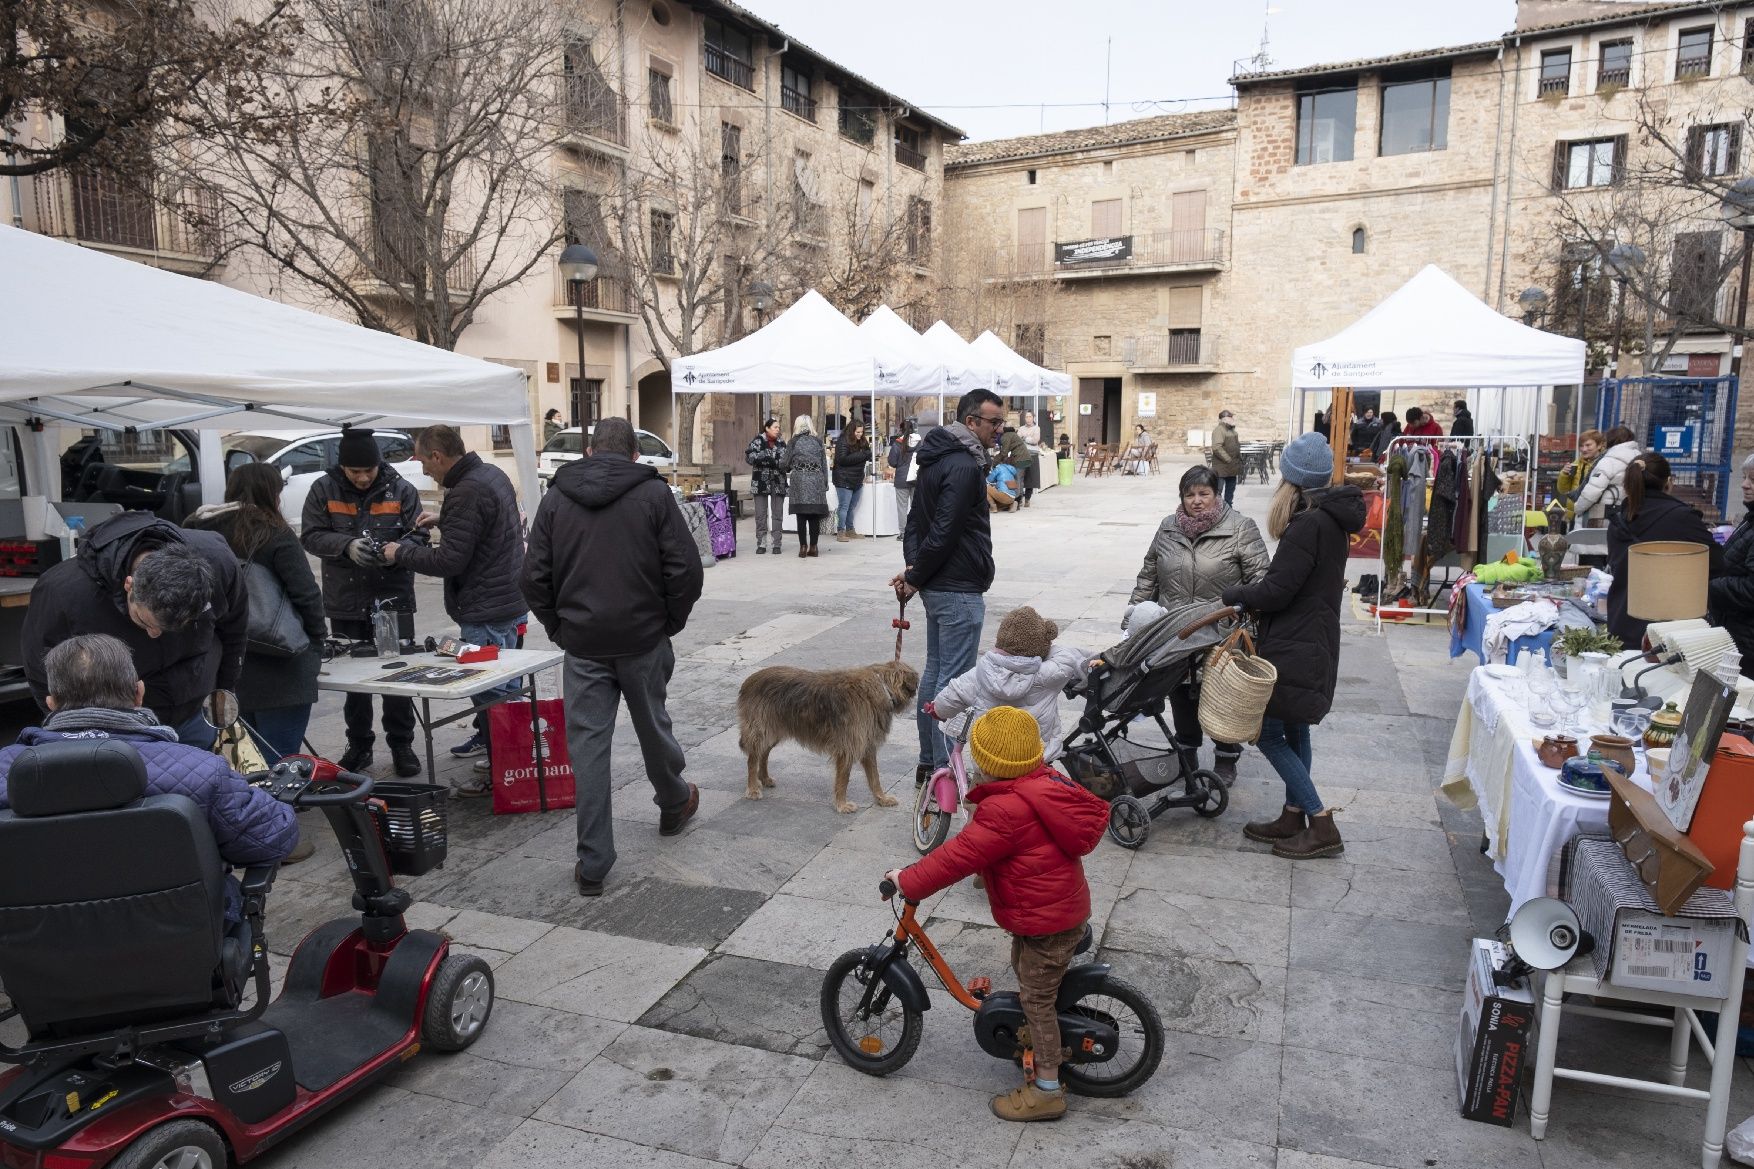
column 1235, row 690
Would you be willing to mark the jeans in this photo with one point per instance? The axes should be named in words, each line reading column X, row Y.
column 953, row 641
column 1228, row 483
column 769, row 518
column 904, row 499
column 505, row 635
column 843, row 514
column 594, row 688
column 279, row 730
column 1286, row 746
column 198, row 732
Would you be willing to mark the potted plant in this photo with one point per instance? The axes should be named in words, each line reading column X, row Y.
column 1577, row 641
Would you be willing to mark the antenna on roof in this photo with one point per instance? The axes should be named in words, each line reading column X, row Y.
column 1107, row 75
column 1262, row 60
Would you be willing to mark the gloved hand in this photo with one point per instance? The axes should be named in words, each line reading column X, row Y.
column 360, row 551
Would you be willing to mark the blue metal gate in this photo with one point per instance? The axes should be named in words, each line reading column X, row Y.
column 1691, row 420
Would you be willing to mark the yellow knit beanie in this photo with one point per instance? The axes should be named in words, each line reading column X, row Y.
column 1006, row 742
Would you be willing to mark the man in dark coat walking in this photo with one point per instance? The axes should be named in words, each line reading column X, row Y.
column 948, row 548
column 612, row 573
column 480, row 556
column 174, row 597
column 351, row 512
column 1463, row 424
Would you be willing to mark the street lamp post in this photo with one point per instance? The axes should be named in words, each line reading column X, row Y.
column 760, row 298
column 1626, row 261
column 578, row 264
column 1534, row 302
column 1738, row 211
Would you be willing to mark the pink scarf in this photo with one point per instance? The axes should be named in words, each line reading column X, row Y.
column 1192, row 526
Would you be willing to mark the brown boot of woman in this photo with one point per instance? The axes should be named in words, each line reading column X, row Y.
column 1321, row 838
column 1289, row 824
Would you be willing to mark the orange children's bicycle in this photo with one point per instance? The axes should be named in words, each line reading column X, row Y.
column 874, row 1002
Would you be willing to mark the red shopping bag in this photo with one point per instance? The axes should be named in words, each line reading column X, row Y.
column 519, row 757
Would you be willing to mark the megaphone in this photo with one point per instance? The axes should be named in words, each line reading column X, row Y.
column 1543, row 934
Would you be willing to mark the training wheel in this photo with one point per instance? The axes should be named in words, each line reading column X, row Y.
column 1128, row 821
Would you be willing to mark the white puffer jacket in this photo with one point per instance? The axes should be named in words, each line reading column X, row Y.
column 1606, row 487
column 1029, row 683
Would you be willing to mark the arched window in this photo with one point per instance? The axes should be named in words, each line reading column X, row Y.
column 1358, row 241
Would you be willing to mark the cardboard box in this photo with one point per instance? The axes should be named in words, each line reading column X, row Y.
column 1494, row 1039
column 1683, row 955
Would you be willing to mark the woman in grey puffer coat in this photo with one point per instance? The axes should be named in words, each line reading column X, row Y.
column 806, row 467
column 1201, row 549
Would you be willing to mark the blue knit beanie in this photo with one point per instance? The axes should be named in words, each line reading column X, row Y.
column 1307, row 461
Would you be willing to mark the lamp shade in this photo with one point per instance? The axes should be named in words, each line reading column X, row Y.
column 1667, row 580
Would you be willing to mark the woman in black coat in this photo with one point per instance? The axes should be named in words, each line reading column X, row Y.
column 275, row 693
column 1732, row 594
column 1299, row 605
column 850, row 459
column 1648, row 512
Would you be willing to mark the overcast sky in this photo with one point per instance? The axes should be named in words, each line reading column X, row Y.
column 953, row 56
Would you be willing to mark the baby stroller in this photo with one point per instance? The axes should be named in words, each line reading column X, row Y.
column 1134, row 680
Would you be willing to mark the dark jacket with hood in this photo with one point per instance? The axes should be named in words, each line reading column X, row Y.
column 86, row 595
column 765, row 457
column 1380, row 439
column 1732, row 594
column 336, row 513
column 612, row 570
column 1660, row 517
column 481, row 545
column 1299, row 603
column 948, row 544
column 1463, row 425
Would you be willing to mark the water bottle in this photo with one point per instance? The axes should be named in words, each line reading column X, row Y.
column 386, row 632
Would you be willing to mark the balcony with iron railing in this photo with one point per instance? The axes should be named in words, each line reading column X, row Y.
column 796, row 101
column 602, row 298
column 180, row 228
column 397, row 263
column 909, row 157
column 1145, row 254
column 723, row 64
column 594, row 110
column 858, row 125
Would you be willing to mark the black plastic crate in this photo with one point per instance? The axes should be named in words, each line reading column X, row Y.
column 412, row 823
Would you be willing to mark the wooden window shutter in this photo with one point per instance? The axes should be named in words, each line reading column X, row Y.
column 1561, row 153
column 1105, row 218
column 1695, row 149
column 1184, row 308
column 1735, row 151
column 1620, row 141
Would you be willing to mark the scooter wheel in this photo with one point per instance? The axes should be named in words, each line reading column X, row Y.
column 459, row 1003
column 181, row 1144
column 1214, row 799
column 931, row 823
column 1129, row 823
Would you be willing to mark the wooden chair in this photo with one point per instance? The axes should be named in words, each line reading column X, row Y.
column 1151, row 466
column 1101, row 461
column 1681, row 1015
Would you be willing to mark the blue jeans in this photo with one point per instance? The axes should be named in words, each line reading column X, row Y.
column 505, row 635
column 953, row 641
column 1228, row 483
column 843, row 514
column 279, row 730
column 1286, row 746
column 198, row 732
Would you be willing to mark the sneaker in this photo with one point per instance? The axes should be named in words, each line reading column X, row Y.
column 406, row 762
column 481, row 765
column 760, row 551
column 357, row 758
column 1030, row 1103
column 671, row 823
column 587, row 887
column 474, row 745
column 473, row 789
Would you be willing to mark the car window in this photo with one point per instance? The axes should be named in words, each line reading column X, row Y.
column 304, row 459
column 653, row 446
column 567, row 442
column 397, row 448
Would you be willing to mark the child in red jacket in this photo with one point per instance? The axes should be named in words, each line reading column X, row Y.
column 1031, row 826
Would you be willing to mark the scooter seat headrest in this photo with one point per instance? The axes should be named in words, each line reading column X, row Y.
column 75, row 775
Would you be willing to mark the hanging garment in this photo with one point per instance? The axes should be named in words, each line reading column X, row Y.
column 1486, row 492
column 1439, row 529
column 1393, row 528
column 1461, row 530
column 1413, row 496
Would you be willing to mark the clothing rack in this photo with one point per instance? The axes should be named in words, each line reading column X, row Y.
column 1490, row 443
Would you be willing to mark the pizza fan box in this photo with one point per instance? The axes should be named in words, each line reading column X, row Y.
column 1494, row 1038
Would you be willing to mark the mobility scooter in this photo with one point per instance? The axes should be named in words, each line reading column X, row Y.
column 117, row 955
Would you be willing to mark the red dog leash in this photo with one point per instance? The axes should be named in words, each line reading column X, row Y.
column 900, row 625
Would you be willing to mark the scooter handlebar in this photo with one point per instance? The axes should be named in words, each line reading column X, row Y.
column 357, row 788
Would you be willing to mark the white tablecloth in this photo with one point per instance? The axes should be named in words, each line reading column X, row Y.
column 880, row 496
column 1528, row 816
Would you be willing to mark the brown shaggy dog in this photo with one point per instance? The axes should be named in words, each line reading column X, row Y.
column 844, row 714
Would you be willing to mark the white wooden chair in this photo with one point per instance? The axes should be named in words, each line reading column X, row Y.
column 1579, row 977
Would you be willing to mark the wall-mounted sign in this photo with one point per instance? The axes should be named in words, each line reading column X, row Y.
column 1676, row 442
column 1091, row 251
column 1085, row 408
column 1147, row 405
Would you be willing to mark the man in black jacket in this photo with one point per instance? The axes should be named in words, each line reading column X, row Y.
column 174, row 597
column 480, row 554
column 351, row 512
column 948, row 547
column 1463, row 426
column 612, row 573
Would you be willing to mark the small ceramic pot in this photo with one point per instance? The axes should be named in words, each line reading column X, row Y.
column 1657, row 758
column 1585, row 774
column 1615, row 747
column 1664, row 725
column 1554, row 750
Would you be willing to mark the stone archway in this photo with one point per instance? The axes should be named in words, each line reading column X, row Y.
column 654, row 404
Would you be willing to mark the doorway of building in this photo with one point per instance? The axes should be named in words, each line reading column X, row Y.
column 654, row 406
column 1099, row 410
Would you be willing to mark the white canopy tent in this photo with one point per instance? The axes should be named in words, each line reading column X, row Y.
column 97, row 342
column 891, row 332
column 1431, row 333
column 1015, row 374
column 964, row 369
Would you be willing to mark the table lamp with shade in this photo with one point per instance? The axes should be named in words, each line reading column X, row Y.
column 1666, row 580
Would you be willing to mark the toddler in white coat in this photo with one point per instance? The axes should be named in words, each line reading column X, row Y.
column 1023, row 669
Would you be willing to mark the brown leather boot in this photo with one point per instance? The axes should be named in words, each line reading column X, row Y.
column 1289, row 824
column 1321, row 838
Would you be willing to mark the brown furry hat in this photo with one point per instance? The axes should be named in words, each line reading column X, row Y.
column 1026, row 633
